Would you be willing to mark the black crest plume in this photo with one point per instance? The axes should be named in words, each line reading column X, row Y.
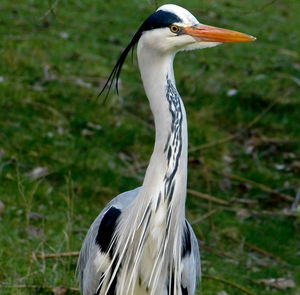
column 159, row 19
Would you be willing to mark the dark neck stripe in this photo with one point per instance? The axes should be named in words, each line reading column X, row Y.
column 173, row 146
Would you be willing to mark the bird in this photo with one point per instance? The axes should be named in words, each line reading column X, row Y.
column 141, row 243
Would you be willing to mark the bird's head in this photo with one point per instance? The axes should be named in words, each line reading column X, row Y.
column 171, row 29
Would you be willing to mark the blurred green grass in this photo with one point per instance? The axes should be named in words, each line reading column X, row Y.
column 64, row 155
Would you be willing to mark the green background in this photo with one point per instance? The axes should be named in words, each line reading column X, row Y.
column 64, row 154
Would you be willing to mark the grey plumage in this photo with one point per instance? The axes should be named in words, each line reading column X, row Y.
column 88, row 274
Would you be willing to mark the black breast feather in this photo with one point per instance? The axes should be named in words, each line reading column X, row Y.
column 106, row 230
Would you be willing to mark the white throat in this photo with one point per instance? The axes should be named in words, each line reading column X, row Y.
column 170, row 150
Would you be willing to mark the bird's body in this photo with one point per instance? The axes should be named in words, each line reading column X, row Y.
column 91, row 258
column 141, row 243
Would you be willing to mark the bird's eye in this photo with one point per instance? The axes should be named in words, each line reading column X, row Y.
column 174, row 29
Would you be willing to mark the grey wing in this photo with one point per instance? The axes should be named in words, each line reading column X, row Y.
column 97, row 241
column 191, row 272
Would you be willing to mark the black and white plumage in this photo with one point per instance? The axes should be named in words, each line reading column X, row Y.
column 141, row 243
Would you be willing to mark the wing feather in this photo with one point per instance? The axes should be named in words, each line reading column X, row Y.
column 93, row 259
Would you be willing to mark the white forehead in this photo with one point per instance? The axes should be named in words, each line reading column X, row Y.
column 187, row 18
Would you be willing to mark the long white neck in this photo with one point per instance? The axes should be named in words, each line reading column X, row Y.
column 152, row 226
column 168, row 164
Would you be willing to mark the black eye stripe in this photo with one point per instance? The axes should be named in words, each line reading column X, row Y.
column 160, row 19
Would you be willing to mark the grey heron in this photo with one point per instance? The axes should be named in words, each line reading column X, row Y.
column 141, row 243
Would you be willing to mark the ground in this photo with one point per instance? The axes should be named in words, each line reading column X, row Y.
column 64, row 154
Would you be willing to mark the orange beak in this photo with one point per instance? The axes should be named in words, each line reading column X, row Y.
column 206, row 33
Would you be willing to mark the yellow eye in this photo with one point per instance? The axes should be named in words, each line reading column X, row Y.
column 174, row 29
